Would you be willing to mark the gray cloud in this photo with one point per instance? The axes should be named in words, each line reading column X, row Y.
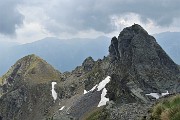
column 79, row 15
column 9, row 16
column 95, row 14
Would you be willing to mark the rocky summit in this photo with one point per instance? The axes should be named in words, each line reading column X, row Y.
column 123, row 85
column 141, row 63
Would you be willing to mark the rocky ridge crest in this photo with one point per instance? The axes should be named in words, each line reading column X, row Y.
column 136, row 64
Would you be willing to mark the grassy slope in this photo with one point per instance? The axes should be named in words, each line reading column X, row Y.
column 35, row 69
column 97, row 114
column 167, row 109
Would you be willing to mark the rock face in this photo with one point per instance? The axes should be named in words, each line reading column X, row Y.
column 141, row 64
column 88, row 64
column 136, row 64
column 135, row 46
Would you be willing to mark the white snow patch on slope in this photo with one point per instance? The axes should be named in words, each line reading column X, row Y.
column 157, row 95
column 103, row 83
column 54, row 94
column 85, row 91
column 167, row 93
column 62, row 108
column 99, row 86
column 94, row 88
column 103, row 98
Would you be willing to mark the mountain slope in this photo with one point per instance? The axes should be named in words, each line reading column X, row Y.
column 119, row 86
column 26, row 87
column 30, row 69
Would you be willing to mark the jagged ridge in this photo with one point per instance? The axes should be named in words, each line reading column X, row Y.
column 137, row 66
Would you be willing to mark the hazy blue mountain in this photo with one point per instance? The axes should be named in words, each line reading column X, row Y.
column 5, row 45
column 4, row 51
column 170, row 42
column 63, row 54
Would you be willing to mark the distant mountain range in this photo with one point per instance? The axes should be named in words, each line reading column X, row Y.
column 63, row 54
column 66, row 54
column 170, row 42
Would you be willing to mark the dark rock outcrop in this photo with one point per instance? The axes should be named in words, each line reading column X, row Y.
column 88, row 64
column 135, row 46
column 141, row 64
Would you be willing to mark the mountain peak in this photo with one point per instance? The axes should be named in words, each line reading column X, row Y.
column 135, row 50
column 129, row 37
column 135, row 46
column 130, row 32
column 29, row 63
column 88, row 64
column 31, row 59
column 30, row 69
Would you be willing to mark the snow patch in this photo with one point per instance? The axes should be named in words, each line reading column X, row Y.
column 94, row 88
column 157, row 95
column 62, row 108
column 167, row 93
column 99, row 86
column 103, row 98
column 103, row 83
column 54, row 94
column 85, row 91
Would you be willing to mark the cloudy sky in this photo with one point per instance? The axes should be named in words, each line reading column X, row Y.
column 29, row 20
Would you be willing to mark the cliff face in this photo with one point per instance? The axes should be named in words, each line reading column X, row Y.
column 141, row 63
column 136, row 66
column 135, row 46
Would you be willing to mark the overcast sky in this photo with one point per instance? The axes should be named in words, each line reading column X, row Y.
column 29, row 20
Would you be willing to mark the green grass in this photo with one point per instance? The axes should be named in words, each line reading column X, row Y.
column 100, row 114
column 168, row 109
column 0, row 81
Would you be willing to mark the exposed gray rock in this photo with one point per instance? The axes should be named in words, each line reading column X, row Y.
column 113, row 49
column 88, row 64
column 140, row 66
column 131, row 111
